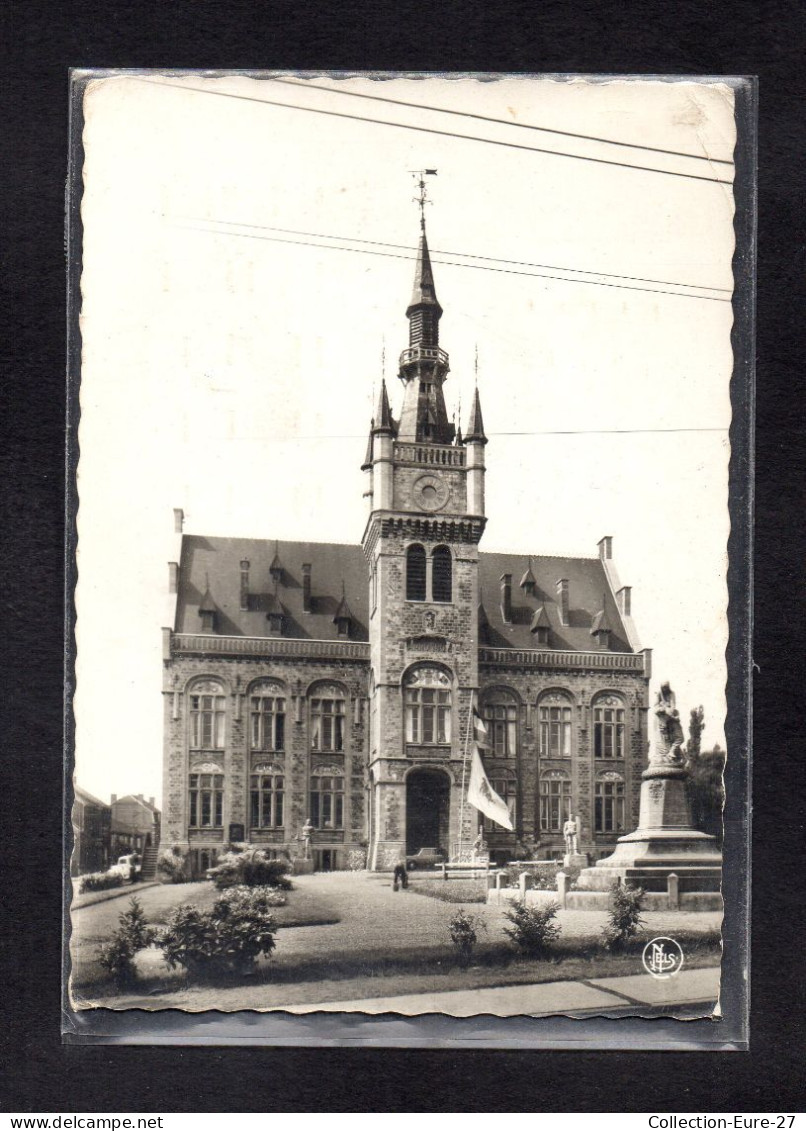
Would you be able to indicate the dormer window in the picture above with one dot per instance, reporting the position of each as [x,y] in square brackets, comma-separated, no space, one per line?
[343,617]
[539,627]
[275,615]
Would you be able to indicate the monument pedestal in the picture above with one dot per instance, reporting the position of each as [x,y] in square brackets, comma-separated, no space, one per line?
[664,842]
[575,860]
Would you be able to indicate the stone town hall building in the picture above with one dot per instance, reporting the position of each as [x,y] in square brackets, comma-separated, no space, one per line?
[306,680]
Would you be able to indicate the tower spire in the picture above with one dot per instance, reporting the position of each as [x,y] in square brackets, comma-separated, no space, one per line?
[475,426]
[424,366]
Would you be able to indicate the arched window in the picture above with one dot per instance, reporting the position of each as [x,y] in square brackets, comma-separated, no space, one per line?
[506,788]
[442,574]
[206,799]
[207,716]
[555,801]
[608,727]
[555,726]
[428,706]
[500,711]
[609,804]
[327,718]
[266,797]
[327,797]
[415,573]
[267,716]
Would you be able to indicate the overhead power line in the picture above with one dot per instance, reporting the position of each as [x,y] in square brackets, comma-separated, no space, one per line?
[306,84]
[431,130]
[468,255]
[450,263]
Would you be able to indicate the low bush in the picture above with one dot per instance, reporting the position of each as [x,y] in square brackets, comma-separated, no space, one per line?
[625,916]
[250,867]
[463,931]
[225,940]
[173,867]
[533,928]
[100,881]
[133,934]
[451,891]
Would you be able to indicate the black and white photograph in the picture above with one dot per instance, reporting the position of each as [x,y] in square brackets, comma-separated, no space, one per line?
[402,544]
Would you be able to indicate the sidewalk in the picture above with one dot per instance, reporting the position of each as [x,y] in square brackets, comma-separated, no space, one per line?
[92,897]
[596,995]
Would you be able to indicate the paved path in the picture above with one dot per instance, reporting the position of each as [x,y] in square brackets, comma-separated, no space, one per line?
[599,995]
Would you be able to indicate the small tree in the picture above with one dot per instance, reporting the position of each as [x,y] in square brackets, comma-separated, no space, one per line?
[226,939]
[624,915]
[463,929]
[133,934]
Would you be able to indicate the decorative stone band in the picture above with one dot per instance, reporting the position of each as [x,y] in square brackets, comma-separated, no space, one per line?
[202,644]
[553,658]
[442,529]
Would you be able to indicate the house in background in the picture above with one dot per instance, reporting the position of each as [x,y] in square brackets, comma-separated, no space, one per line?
[91,833]
[136,828]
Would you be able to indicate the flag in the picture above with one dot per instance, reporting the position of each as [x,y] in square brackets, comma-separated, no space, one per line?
[479,729]
[431,172]
[482,795]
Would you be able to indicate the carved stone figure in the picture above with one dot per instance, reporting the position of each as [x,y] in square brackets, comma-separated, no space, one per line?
[307,833]
[669,736]
[571,834]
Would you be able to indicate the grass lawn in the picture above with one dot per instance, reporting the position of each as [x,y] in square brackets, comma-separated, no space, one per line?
[349,937]
[450,891]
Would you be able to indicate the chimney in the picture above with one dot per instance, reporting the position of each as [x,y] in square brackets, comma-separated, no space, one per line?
[114,799]
[151,802]
[624,598]
[139,796]
[306,587]
[173,577]
[179,520]
[606,548]
[562,599]
[506,597]
[245,584]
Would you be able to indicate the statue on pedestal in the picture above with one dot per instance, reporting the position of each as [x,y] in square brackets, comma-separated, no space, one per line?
[307,832]
[571,834]
[668,746]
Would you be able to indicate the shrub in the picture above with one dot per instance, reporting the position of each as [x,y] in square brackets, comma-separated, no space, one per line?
[173,866]
[625,916]
[226,939]
[250,867]
[133,934]
[100,881]
[463,929]
[357,859]
[533,929]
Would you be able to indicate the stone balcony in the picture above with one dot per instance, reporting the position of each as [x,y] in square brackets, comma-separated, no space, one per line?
[210,644]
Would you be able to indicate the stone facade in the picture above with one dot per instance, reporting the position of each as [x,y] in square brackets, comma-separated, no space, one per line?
[374,656]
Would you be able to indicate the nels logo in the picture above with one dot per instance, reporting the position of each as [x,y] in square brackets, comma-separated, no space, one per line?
[662,958]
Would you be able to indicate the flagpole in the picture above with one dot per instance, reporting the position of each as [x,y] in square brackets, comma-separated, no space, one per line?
[464,768]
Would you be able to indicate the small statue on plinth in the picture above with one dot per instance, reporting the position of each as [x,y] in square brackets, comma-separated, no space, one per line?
[307,833]
[479,845]
[571,835]
[668,746]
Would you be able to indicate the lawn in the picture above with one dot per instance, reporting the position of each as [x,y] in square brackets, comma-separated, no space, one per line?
[352,937]
[450,891]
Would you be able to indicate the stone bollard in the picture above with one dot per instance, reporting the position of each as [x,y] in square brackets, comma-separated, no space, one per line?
[562,889]
[499,880]
[525,883]
[673,888]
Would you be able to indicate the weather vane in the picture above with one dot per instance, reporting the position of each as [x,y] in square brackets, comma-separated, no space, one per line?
[422,197]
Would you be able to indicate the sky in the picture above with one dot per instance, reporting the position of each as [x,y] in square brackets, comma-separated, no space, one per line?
[247,263]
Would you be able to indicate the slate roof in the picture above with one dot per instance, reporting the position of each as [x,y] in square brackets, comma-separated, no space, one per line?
[218,559]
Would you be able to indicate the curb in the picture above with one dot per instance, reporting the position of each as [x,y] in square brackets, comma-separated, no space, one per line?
[102,896]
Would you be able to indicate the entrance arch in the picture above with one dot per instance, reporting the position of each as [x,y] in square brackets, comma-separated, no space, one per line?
[427,810]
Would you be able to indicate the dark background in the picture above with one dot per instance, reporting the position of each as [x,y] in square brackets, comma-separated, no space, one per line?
[39,43]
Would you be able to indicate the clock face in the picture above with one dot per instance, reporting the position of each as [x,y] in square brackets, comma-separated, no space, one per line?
[430,493]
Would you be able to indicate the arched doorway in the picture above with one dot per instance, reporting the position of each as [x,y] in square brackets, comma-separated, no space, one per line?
[427,810]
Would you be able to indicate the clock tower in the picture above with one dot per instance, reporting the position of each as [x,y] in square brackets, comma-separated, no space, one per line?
[426,498]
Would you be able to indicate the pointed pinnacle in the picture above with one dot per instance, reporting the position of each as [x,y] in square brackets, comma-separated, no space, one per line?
[475,428]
